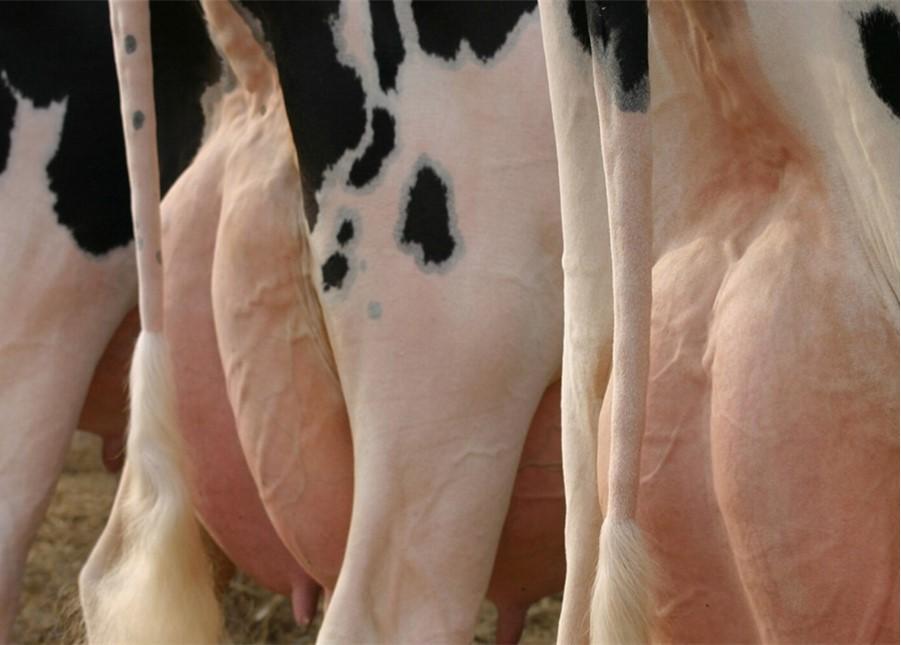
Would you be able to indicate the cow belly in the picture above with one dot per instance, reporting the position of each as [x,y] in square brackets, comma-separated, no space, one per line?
[770,465]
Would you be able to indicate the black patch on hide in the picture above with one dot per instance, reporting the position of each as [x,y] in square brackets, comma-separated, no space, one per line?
[367,167]
[324,97]
[578,18]
[387,42]
[444,25]
[185,64]
[427,218]
[51,51]
[878,30]
[620,34]
[7,115]
[345,233]
[334,271]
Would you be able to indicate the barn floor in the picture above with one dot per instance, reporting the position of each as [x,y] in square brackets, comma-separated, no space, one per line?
[50,603]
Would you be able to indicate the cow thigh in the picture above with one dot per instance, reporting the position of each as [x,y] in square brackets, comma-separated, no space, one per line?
[804,442]
[770,477]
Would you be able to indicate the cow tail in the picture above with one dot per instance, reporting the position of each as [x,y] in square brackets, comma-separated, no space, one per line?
[148,579]
[622,600]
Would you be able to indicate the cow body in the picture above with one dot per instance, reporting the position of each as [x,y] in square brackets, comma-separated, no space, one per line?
[772,338]
[303,454]
[769,490]
[68,277]
[310,351]
[455,215]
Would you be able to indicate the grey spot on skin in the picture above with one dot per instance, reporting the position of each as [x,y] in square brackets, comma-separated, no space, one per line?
[140,243]
[362,266]
[137,120]
[159,257]
[131,44]
[374,310]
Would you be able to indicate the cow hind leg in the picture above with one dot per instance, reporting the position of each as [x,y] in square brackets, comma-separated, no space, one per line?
[130,594]
[583,512]
[41,413]
[430,495]
[27,479]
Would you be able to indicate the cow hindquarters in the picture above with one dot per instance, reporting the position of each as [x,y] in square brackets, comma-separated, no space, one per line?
[129,593]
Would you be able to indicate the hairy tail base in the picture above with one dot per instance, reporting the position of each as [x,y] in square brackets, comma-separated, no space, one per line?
[148,579]
[622,600]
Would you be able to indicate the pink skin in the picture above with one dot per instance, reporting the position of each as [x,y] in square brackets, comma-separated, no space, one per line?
[291,414]
[299,453]
[104,415]
[308,501]
[530,560]
[205,415]
[769,475]
[105,411]
[783,458]
[224,493]
[770,466]
[60,307]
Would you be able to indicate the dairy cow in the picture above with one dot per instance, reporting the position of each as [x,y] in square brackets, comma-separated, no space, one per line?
[343,288]
[69,275]
[765,355]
